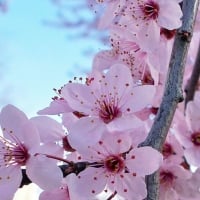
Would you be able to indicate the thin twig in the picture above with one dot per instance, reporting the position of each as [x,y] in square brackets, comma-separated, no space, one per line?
[173,90]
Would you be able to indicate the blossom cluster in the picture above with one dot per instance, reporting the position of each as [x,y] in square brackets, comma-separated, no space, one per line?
[107,115]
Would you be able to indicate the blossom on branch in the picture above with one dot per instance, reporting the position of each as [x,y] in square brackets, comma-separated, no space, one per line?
[19,146]
[117,165]
[108,103]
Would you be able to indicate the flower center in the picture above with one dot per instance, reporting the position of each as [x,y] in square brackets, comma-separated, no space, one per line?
[167,150]
[12,154]
[166,177]
[195,137]
[114,164]
[150,10]
[108,111]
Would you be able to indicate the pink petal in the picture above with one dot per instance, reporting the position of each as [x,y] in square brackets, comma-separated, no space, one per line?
[124,123]
[139,98]
[58,194]
[79,97]
[118,81]
[108,15]
[10,181]
[117,142]
[44,172]
[49,129]
[138,135]
[96,182]
[29,135]
[56,107]
[11,118]
[51,148]
[131,187]
[170,15]
[103,60]
[192,156]
[144,161]
[149,36]
[68,119]
[85,132]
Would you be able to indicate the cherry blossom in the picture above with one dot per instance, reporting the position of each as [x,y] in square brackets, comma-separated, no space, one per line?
[107,103]
[116,165]
[172,181]
[18,148]
[144,19]
[172,150]
[146,13]
[188,132]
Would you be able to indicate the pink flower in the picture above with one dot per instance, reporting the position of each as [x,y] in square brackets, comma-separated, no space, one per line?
[18,147]
[172,150]
[144,19]
[117,165]
[187,131]
[109,103]
[166,14]
[173,180]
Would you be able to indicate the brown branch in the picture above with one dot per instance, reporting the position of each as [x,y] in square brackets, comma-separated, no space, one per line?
[173,90]
[193,81]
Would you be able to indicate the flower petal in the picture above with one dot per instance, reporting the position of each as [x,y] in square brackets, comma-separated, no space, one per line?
[10,179]
[11,119]
[144,160]
[44,172]
[79,97]
[49,129]
[140,97]
[85,132]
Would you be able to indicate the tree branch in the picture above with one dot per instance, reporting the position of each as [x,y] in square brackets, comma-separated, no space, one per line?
[193,81]
[173,90]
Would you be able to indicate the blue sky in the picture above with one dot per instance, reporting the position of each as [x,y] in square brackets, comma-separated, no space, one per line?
[35,57]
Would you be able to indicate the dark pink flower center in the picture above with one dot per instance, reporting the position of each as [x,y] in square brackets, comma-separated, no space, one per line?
[195,138]
[108,110]
[166,177]
[150,10]
[167,150]
[114,164]
[12,154]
